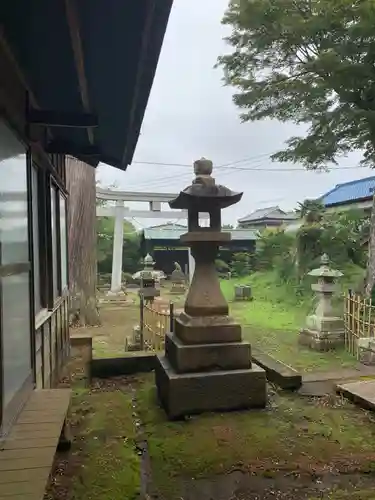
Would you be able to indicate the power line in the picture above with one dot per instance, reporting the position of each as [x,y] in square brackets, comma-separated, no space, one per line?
[163,181]
[189,165]
[248,164]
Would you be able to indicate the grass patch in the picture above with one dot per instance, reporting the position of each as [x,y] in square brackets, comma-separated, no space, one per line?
[109,463]
[283,345]
[270,307]
[272,321]
[292,435]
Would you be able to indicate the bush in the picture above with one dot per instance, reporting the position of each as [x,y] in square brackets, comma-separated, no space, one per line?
[104,278]
[129,280]
[273,246]
[240,264]
[221,266]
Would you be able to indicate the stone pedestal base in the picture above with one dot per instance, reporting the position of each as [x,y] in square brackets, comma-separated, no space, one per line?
[366,350]
[185,358]
[134,343]
[117,293]
[178,289]
[193,393]
[321,341]
[207,329]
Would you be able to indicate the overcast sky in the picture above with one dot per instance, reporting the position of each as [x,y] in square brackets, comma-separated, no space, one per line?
[190,114]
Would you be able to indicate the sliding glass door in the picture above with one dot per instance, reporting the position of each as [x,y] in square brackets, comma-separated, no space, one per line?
[15,266]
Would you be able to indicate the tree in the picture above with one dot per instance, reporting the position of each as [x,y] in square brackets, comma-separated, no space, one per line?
[311,62]
[311,211]
[82,241]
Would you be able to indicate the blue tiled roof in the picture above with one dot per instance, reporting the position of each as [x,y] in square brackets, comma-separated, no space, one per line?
[350,191]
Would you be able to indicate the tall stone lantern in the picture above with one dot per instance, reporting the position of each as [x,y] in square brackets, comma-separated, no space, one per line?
[324,329]
[207,366]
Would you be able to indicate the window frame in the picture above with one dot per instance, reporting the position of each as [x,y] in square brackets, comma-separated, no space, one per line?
[62,196]
[9,413]
[54,195]
[49,186]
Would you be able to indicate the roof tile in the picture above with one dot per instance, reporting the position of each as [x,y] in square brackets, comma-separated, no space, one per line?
[350,191]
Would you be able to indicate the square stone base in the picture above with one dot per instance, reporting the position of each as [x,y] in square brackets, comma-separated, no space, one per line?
[366,350]
[178,289]
[187,358]
[193,393]
[321,341]
[207,329]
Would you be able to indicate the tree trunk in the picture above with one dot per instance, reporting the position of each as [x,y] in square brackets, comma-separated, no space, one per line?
[82,242]
[370,272]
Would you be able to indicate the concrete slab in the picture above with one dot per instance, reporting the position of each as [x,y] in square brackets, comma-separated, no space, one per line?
[361,392]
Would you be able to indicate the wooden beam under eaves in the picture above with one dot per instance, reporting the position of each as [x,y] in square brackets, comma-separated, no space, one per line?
[75,36]
[61,119]
[68,148]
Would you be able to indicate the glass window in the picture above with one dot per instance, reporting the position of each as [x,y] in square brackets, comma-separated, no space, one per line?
[63,243]
[14,266]
[55,272]
[13,200]
[15,305]
[36,263]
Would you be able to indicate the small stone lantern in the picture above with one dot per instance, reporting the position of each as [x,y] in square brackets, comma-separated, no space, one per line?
[206,366]
[148,288]
[324,329]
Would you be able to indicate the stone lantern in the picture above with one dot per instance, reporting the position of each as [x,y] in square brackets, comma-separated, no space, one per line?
[148,288]
[206,366]
[324,330]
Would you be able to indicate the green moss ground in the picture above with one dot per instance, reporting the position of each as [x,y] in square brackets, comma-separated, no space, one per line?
[304,443]
[292,435]
[108,463]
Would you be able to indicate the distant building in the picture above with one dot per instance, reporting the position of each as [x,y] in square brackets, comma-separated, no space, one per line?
[356,194]
[163,243]
[267,217]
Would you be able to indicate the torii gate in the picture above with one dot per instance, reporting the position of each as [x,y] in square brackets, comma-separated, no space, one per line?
[121,212]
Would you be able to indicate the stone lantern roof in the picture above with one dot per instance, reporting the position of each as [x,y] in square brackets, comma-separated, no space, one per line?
[204,193]
[324,271]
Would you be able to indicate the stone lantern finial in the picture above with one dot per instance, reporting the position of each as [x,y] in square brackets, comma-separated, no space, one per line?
[203,167]
[324,260]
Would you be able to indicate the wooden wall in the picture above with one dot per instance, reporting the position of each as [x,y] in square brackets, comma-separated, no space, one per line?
[50,329]
[52,346]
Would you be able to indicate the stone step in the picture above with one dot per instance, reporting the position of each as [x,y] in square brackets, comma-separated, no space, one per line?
[277,372]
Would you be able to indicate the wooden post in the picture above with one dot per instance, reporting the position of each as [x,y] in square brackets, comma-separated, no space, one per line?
[171,317]
[141,319]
